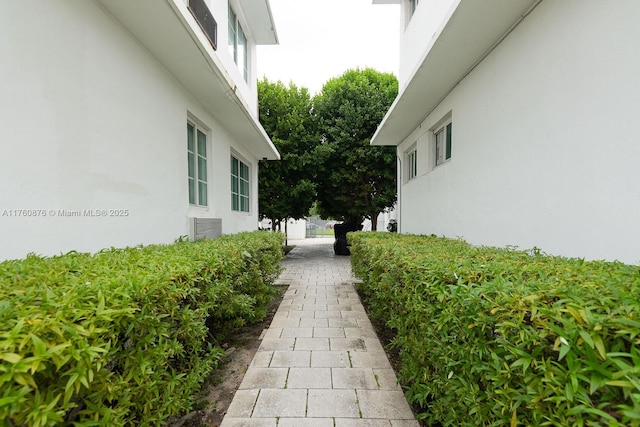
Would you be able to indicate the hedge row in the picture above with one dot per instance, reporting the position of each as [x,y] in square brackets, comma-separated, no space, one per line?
[124,337]
[498,337]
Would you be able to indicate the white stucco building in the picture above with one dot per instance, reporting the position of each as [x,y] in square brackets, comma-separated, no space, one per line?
[122,122]
[517,123]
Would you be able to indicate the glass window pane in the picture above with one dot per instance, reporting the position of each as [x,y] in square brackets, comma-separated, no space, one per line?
[244,171]
[192,192]
[439,151]
[448,155]
[189,137]
[234,202]
[242,52]
[413,164]
[202,193]
[202,144]
[202,169]
[244,204]
[244,188]
[191,164]
[234,166]
[232,34]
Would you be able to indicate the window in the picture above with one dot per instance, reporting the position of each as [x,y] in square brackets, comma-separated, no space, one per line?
[238,44]
[443,144]
[239,185]
[197,165]
[201,12]
[412,164]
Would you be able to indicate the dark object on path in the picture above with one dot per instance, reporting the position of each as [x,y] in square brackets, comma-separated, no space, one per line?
[340,246]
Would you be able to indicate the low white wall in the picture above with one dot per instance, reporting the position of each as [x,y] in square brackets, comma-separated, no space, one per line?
[91,121]
[545,140]
[296,229]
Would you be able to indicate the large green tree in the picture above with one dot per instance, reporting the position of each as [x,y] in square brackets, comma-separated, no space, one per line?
[287,187]
[356,180]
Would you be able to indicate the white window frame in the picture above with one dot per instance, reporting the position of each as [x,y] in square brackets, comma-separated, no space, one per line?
[197,164]
[442,143]
[240,185]
[238,45]
[411,159]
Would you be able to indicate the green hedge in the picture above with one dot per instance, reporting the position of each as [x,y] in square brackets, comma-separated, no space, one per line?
[124,337]
[498,337]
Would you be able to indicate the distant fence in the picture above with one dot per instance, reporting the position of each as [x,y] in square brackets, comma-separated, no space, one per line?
[319,227]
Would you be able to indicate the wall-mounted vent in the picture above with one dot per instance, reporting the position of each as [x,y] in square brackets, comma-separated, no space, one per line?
[209,228]
[201,12]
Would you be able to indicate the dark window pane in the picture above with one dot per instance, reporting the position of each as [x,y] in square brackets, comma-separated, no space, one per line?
[234,166]
[449,140]
[191,165]
[190,146]
[202,193]
[202,144]
[192,192]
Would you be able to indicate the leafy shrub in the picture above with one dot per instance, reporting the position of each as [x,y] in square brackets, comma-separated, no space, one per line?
[125,336]
[496,337]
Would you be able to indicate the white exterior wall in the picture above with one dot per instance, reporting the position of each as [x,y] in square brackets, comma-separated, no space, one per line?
[418,32]
[90,120]
[545,140]
[248,90]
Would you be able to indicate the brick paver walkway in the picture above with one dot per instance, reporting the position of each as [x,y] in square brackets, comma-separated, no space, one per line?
[320,363]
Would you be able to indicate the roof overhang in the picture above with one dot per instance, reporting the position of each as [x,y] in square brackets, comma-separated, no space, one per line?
[473,28]
[260,20]
[168,30]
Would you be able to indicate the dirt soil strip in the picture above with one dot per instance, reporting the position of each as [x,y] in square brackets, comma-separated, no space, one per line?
[217,391]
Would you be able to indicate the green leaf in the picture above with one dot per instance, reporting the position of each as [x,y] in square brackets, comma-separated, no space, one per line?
[40,348]
[11,357]
[599,344]
[620,383]
[564,349]
[587,338]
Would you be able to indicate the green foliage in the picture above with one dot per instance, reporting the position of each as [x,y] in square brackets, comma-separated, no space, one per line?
[124,337]
[499,337]
[356,180]
[287,188]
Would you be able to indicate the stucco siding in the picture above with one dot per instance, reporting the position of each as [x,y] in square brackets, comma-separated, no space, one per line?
[92,121]
[420,31]
[545,147]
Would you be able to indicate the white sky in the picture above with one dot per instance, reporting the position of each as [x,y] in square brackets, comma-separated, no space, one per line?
[321,39]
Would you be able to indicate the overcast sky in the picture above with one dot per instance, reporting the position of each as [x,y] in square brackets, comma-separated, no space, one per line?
[321,39]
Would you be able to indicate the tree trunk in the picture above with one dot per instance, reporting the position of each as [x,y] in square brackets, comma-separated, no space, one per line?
[286,233]
[374,222]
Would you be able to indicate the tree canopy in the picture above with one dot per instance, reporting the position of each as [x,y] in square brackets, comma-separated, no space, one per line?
[325,148]
[287,187]
[355,180]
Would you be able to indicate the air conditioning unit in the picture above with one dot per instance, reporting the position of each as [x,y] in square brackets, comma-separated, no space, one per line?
[209,228]
[203,16]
